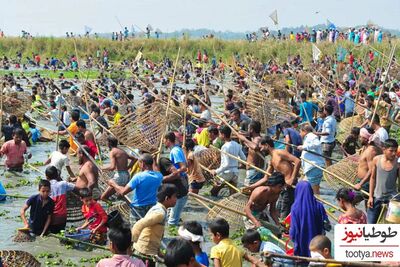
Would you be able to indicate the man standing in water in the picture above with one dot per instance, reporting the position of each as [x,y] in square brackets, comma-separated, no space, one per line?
[365,163]
[285,163]
[88,173]
[254,156]
[119,163]
[15,150]
[383,182]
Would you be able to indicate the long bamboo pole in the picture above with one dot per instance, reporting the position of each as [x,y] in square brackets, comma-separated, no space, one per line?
[231,210]
[308,259]
[383,84]
[334,175]
[169,102]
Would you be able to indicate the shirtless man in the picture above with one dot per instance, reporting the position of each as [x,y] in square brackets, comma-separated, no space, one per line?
[82,128]
[285,163]
[263,196]
[254,156]
[88,173]
[119,163]
[365,163]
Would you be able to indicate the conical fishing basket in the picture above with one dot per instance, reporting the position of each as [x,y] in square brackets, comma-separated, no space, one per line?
[346,169]
[46,134]
[23,236]
[209,158]
[278,81]
[345,125]
[17,103]
[142,129]
[123,209]
[304,80]
[102,183]
[16,258]
[267,111]
[236,202]
[74,208]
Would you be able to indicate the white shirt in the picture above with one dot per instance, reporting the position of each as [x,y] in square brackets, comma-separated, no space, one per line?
[206,114]
[67,118]
[311,143]
[329,126]
[229,164]
[54,115]
[59,160]
[380,136]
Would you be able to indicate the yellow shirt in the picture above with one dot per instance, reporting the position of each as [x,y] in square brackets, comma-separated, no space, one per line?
[117,117]
[73,129]
[202,138]
[228,253]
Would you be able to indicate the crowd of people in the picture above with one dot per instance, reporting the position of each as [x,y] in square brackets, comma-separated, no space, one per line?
[159,187]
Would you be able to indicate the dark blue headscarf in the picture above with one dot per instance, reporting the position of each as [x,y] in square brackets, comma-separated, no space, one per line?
[307,219]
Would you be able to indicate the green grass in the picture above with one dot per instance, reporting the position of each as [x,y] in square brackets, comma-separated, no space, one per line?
[157,49]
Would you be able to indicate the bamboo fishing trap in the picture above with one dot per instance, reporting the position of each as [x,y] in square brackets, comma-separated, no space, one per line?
[345,169]
[267,111]
[17,103]
[18,258]
[142,129]
[236,202]
[209,158]
[345,125]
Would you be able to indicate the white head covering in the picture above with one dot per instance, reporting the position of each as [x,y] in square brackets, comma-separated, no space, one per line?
[185,234]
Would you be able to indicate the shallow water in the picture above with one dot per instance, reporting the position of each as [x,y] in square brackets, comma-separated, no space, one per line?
[11,221]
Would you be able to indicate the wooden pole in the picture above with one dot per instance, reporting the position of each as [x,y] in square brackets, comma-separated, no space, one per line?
[231,210]
[334,175]
[308,259]
[222,179]
[169,102]
[383,84]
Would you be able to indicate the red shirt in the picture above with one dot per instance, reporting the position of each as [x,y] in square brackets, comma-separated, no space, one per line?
[94,210]
[92,148]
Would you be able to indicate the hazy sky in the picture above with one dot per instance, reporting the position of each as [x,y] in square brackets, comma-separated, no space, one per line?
[55,17]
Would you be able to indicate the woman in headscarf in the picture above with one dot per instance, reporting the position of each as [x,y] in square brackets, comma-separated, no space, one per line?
[307,219]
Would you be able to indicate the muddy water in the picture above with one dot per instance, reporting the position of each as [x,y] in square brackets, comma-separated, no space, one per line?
[11,221]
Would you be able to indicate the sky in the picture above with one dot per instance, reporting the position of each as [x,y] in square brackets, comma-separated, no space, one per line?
[55,17]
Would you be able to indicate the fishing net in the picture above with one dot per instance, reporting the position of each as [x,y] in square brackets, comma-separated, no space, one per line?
[23,235]
[304,80]
[236,202]
[74,208]
[209,158]
[104,176]
[345,125]
[142,129]
[345,169]
[18,258]
[17,103]
[267,111]
[278,81]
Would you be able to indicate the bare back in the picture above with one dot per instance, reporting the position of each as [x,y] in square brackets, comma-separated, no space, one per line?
[120,158]
[253,156]
[366,159]
[281,165]
[261,197]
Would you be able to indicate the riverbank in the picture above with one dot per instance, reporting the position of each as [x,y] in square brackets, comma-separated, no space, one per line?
[156,49]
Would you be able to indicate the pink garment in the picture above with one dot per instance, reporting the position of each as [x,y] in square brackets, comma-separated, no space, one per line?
[120,261]
[15,153]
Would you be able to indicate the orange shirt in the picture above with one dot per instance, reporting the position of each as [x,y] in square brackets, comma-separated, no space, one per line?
[73,130]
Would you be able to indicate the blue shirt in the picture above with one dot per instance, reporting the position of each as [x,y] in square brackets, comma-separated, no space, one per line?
[295,139]
[306,111]
[202,258]
[35,134]
[145,184]
[38,213]
[177,156]
[348,103]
